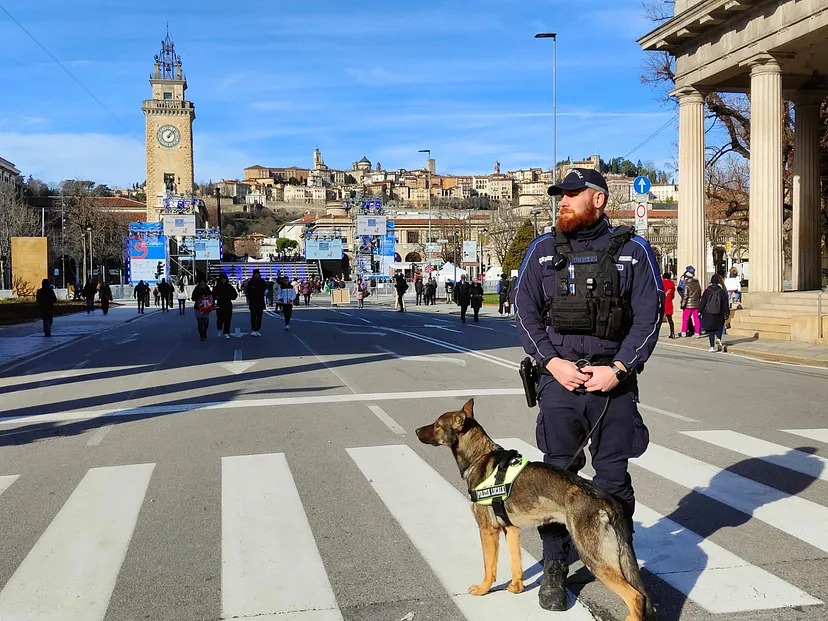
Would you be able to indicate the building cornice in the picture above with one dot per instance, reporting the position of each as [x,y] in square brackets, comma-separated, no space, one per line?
[692,22]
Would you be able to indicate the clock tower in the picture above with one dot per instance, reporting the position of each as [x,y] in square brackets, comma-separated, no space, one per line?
[169,136]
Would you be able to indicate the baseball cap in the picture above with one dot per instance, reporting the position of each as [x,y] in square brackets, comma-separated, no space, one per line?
[690,269]
[580,179]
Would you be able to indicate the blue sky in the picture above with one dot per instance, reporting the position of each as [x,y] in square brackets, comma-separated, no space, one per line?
[272,80]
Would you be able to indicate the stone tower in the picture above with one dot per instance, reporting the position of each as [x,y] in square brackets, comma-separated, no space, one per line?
[169,137]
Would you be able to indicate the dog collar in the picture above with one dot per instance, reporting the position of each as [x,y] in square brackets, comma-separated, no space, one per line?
[498,485]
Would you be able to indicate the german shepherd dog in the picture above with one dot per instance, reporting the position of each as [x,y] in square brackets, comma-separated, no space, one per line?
[541,494]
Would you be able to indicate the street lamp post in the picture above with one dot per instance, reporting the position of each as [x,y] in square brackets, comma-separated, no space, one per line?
[428,169]
[91,261]
[535,213]
[217,192]
[554,37]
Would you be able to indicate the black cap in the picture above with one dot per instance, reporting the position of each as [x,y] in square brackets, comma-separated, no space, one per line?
[580,179]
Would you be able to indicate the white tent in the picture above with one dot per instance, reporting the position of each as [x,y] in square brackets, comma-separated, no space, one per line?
[447,272]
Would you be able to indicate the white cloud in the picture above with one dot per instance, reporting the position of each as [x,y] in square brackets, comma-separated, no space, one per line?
[110,159]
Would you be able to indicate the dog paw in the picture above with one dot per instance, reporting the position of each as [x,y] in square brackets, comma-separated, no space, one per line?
[479,589]
[515,586]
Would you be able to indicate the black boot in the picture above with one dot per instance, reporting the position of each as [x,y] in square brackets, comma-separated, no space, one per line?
[552,592]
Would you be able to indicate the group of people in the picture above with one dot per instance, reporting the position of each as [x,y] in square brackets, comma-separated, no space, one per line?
[702,312]
[219,298]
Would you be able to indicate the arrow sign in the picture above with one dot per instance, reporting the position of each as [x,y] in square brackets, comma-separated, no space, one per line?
[237,366]
[642,185]
[237,333]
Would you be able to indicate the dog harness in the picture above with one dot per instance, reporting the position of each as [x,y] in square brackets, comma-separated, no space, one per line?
[495,488]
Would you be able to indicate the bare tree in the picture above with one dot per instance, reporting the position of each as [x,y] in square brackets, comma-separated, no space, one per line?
[505,223]
[17,219]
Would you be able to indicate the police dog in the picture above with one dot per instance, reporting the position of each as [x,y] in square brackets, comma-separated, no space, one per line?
[541,494]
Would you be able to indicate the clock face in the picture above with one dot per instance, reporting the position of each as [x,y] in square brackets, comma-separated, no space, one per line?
[168,135]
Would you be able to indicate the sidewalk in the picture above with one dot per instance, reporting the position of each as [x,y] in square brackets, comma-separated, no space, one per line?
[776,351]
[25,340]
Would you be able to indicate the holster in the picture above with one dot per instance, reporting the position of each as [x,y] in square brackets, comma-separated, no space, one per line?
[529,376]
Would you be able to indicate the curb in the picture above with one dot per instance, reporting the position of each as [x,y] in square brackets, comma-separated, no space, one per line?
[761,355]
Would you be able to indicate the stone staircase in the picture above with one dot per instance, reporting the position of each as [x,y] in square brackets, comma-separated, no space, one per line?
[788,316]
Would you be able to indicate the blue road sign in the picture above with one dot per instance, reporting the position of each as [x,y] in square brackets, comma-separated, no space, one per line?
[642,185]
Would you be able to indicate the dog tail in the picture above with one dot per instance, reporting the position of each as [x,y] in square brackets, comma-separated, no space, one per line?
[629,566]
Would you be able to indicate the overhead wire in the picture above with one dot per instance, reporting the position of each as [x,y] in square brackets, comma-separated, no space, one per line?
[62,66]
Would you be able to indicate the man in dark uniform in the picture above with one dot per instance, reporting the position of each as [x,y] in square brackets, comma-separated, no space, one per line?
[589,294]
[462,295]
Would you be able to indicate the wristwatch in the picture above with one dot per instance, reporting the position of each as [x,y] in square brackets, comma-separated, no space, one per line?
[620,373]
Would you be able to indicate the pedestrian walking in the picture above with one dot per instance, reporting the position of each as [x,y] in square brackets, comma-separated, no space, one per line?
[305,291]
[156,295]
[89,291]
[400,287]
[46,300]
[255,293]
[165,293]
[360,289]
[714,310]
[690,303]
[449,290]
[510,307]
[140,294]
[503,286]
[105,296]
[182,298]
[462,296]
[587,360]
[223,295]
[203,305]
[476,298]
[287,295]
[418,290]
[669,293]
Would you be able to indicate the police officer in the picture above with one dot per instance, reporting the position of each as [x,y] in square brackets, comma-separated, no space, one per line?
[589,303]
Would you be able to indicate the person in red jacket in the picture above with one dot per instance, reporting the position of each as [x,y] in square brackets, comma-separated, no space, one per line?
[669,294]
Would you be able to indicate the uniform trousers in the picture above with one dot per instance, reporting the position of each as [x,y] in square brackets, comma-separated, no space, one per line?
[564,420]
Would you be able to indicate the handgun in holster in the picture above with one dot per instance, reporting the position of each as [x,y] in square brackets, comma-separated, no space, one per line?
[529,377]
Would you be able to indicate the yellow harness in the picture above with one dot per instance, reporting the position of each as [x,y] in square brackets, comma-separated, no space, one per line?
[495,488]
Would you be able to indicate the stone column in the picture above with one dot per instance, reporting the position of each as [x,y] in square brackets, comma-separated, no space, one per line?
[765,213]
[806,214]
[692,236]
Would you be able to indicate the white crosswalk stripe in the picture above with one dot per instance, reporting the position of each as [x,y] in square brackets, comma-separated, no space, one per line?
[270,566]
[6,481]
[795,516]
[71,571]
[776,454]
[712,577]
[820,435]
[411,490]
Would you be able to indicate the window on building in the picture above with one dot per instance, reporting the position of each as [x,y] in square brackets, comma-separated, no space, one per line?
[167,95]
[413,237]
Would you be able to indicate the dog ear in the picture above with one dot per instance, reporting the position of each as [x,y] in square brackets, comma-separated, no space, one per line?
[468,409]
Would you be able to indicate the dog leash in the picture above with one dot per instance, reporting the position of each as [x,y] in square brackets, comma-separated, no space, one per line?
[589,435]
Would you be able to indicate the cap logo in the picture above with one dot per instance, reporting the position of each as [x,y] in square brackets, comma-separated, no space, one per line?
[578,172]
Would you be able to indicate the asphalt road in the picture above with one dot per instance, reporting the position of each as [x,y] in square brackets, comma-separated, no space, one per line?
[147,475]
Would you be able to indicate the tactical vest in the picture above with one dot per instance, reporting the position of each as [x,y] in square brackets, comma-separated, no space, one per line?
[587,297]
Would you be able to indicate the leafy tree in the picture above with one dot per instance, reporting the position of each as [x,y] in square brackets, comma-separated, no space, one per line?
[283,244]
[523,237]
[350,179]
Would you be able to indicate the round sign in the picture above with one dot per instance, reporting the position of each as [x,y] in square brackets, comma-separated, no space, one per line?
[641,210]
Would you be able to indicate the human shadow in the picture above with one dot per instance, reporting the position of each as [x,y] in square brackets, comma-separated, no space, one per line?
[727,502]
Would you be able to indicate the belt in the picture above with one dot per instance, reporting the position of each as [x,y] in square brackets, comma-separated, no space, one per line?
[596,361]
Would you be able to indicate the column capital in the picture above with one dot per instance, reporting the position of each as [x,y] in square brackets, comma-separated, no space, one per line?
[687,95]
[808,97]
[763,63]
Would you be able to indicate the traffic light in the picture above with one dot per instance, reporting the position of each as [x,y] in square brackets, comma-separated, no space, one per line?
[159,269]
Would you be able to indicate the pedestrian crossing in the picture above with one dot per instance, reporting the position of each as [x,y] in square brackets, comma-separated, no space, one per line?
[271,567]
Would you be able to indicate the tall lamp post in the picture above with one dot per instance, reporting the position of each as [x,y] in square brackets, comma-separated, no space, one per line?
[554,37]
[91,261]
[217,192]
[428,169]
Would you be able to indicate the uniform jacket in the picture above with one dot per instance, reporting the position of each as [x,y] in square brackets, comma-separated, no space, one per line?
[640,283]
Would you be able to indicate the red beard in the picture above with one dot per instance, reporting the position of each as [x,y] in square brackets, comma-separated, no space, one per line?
[570,221]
